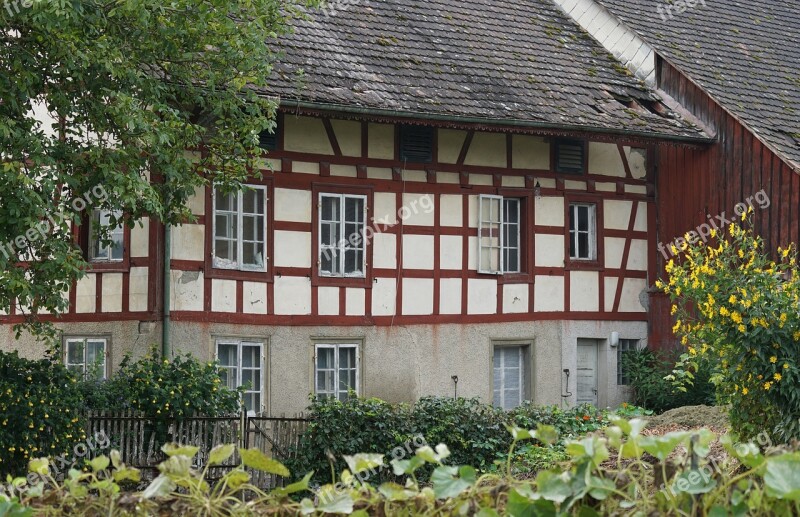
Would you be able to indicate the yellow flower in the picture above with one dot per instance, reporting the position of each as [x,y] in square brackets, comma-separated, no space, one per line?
[767,385]
[777,377]
[732,299]
[773,359]
[745,391]
[723,311]
[673,310]
[797,336]
[692,350]
[742,329]
[785,366]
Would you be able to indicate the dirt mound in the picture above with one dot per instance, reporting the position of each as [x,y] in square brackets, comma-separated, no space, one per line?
[691,417]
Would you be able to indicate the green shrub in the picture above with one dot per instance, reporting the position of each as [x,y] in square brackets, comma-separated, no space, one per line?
[569,422]
[39,411]
[648,372]
[174,388]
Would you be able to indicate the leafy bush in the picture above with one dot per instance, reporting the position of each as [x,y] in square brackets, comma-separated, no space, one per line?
[738,310]
[39,414]
[620,472]
[159,387]
[649,373]
[570,422]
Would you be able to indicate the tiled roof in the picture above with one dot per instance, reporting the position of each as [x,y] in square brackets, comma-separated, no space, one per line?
[744,53]
[522,62]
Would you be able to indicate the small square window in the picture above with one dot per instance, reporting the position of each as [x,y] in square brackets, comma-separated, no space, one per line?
[86,357]
[106,236]
[583,231]
[336,370]
[625,346]
[241,364]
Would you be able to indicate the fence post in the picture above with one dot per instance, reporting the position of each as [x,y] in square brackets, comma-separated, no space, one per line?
[243,429]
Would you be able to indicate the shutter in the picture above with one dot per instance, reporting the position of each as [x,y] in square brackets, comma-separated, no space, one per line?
[268,140]
[570,156]
[416,144]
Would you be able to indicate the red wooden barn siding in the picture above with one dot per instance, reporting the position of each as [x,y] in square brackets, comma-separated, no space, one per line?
[692,184]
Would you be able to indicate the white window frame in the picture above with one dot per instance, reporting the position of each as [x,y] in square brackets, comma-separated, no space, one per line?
[238,368]
[336,393]
[575,253]
[501,248]
[95,240]
[522,370]
[238,265]
[344,242]
[84,365]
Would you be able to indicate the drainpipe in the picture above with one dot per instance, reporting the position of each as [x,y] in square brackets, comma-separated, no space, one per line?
[166,348]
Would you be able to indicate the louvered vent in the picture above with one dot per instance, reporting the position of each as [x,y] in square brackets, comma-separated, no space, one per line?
[268,140]
[570,156]
[416,144]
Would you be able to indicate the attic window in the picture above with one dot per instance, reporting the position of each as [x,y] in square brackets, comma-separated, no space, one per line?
[416,144]
[570,156]
[268,139]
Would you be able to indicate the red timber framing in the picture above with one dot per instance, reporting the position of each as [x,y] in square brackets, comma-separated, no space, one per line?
[694,185]
[623,189]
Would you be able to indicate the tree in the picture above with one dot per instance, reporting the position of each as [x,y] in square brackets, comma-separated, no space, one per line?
[128,86]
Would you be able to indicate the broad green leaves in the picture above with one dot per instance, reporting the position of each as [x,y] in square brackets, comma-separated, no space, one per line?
[256,459]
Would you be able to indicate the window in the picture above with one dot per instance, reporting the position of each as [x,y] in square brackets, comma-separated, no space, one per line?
[336,370]
[416,144]
[240,229]
[86,357]
[582,231]
[624,347]
[106,243]
[342,242]
[241,364]
[570,156]
[499,235]
[509,376]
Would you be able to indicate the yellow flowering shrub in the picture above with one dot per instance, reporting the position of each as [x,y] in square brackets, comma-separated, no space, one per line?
[39,414]
[739,310]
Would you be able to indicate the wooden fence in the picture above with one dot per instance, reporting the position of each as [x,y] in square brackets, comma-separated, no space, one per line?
[139,438]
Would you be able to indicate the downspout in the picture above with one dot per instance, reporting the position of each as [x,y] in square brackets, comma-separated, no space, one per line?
[166,347]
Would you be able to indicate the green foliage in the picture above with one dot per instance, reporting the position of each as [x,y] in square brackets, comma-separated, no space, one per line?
[649,373]
[138,83]
[609,473]
[39,403]
[155,386]
[569,422]
[737,309]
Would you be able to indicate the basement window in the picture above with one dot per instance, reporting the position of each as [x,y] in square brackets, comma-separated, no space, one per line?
[570,156]
[86,357]
[416,144]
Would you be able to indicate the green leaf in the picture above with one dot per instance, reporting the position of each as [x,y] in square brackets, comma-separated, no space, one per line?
[782,478]
[554,486]
[662,446]
[39,466]
[449,482]
[173,449]
[256,459]
[236,478]
[334,501]
[161,486]
[395,492]
[431,456]
[127,474]
[694,482]
[546,434]
[99,463]
[298,486]
[523,502]
[361,462]
[220,454]
[518,433]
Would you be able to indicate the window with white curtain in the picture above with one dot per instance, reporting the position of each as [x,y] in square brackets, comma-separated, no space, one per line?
[509,376]
[336,370]
[242,365]
[86,356]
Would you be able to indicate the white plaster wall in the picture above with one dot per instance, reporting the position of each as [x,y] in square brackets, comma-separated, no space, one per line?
[112,292]
[450,296]
[417,296]
[487,150]
[418,252]
[381,141]
[530,152]
[86,289]
[384,297]
[617,214]
[292,295]
[346,171]
[305,135]
[254,297]
[604,160]
[355,302]
[384,249]
[348,135]
[584,291]
[292,249]
[137,289]
[451,141]
[418,210]
[549,250]
[452,207]
[451,252]
[292,205]
[632,288]
[186,293]
[549,211]
[188,242]
[481,296]
[515,298]
[140,238]
[548,294]
[614,248]
[223,295]
[328,301]
[385,208]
